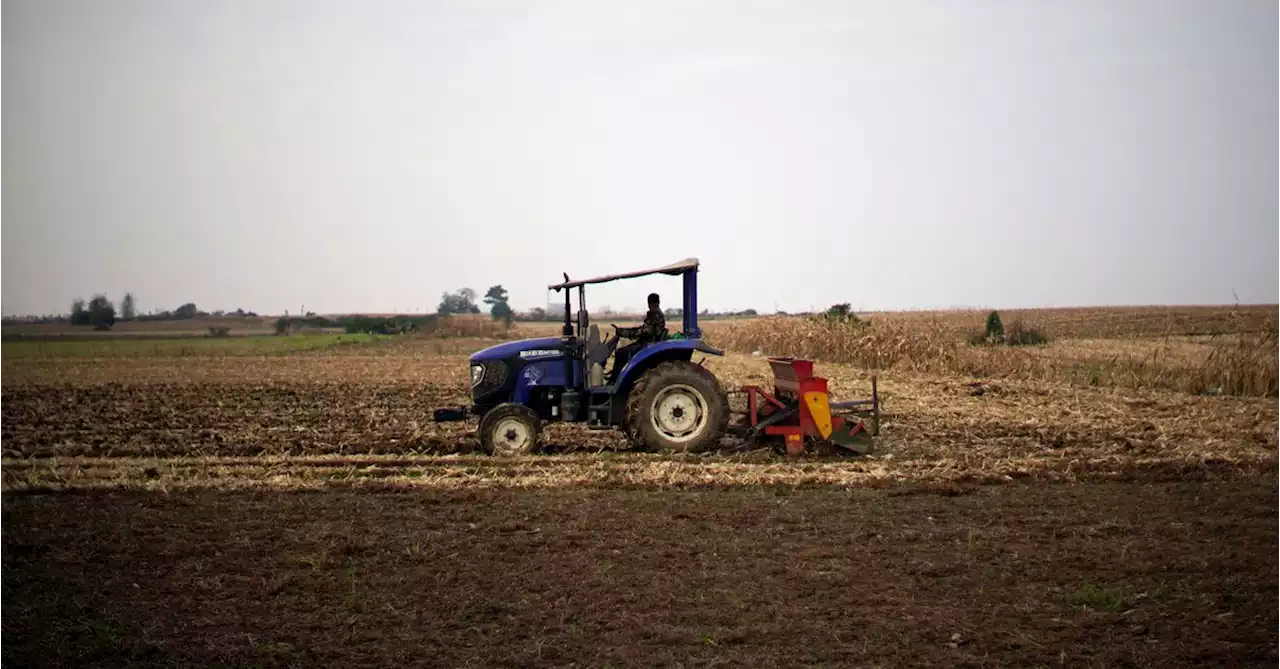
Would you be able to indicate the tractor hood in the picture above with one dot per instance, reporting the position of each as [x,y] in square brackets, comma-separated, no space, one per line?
[544,347]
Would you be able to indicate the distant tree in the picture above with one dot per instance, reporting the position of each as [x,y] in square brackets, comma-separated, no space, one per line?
[496,298]
[187,310]
[461,302]
[995,328]
[749,312]
[102,314]
[79,314]
[840,311]
[128,308]
[537,314]
[502,311]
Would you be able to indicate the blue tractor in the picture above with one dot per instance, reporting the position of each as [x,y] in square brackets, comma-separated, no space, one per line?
[660,398]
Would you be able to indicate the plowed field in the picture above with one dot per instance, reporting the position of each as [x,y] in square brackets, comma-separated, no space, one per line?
[300,509]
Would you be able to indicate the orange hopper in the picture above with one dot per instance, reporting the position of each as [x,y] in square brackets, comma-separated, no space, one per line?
[801,413]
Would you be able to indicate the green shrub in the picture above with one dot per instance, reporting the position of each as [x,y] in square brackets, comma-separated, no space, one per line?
[840,314]
[1021,334]
[1017,334]
[840,311]
[389,325]
[995,328]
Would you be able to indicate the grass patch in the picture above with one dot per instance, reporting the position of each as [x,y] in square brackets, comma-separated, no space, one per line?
[181,346]
[1109,599]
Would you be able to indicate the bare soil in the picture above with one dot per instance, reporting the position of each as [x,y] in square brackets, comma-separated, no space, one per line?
[1017,575]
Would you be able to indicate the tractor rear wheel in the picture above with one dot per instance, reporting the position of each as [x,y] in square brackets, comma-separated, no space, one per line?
[510,429]
[677,406]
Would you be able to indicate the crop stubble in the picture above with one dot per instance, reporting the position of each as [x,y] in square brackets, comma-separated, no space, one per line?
[316,418]
[302,510]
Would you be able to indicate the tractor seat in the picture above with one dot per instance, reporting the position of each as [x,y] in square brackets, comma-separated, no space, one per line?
[596,350]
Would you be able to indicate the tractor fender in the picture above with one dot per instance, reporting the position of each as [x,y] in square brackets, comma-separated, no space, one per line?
[663,351]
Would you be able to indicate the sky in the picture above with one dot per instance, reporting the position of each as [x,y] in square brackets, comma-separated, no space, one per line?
[367,156]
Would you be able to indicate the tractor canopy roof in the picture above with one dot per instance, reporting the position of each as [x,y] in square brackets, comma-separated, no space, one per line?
[673,269]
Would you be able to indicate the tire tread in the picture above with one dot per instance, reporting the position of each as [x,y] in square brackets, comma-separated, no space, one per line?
[717,405]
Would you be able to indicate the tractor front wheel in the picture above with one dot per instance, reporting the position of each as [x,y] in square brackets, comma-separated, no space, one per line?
[677,406]
[510,429]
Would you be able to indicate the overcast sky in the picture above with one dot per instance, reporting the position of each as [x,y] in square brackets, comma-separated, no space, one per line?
[348,156]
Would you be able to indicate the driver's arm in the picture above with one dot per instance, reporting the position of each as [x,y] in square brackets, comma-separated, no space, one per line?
[655,326]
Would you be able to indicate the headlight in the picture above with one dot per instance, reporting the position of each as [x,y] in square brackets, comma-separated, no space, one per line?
[477,374]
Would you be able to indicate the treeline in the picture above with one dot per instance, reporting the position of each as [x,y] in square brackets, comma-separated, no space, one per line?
[189,310]
[538,314]
[709,315]
[357,324]
[463,301]
[100,312]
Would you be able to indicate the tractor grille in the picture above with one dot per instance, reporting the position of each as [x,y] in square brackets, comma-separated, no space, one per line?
[495,375]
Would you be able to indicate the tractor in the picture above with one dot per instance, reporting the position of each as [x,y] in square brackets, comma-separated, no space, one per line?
[660,398]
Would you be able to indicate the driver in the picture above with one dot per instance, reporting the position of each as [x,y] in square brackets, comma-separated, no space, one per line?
[654,329]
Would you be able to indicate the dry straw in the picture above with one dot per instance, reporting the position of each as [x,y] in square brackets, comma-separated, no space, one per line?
[1240,362]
